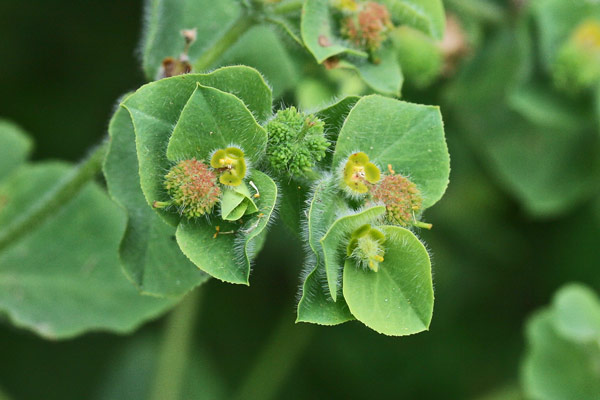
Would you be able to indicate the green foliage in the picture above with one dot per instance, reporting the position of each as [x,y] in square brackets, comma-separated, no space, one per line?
[15,147]
[64,278]
[563,354]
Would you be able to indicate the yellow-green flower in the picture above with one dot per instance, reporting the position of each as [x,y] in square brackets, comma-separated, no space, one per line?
[231,164]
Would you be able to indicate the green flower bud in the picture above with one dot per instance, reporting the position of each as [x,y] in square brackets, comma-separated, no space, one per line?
[231,164]
[366,247]
[296,142]
[193,188]
[358,173]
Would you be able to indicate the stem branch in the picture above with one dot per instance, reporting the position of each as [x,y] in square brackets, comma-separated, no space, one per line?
[47,205]
[175,348]
[212,54]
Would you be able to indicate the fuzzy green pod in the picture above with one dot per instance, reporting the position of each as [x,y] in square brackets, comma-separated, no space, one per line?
[401,197]
[193,188]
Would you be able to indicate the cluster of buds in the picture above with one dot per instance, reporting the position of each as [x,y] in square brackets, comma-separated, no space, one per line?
[231,165]
[401,198]
[359,174]
[193,188]
[366,247]
[367,26]
[577,65]
[296,142]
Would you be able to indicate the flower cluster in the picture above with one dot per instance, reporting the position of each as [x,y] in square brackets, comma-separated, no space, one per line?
[231,164]
[296,142]
[358,174]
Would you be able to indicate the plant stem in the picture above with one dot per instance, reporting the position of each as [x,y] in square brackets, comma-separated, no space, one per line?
[276,360]
[175,348]
[47,205]
[212,54]
[288,7]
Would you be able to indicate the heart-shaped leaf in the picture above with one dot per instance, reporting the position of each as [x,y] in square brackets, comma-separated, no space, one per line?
[396,300]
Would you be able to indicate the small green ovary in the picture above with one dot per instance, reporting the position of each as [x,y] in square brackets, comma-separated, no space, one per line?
[231,165]
[401,197]
[359,172]
[193,188]
[366,247]
[296,142]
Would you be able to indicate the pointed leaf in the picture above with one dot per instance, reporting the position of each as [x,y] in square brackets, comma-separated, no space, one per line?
[213,120]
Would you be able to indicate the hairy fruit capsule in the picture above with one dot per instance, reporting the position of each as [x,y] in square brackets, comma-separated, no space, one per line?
[231,164]
[368,27]
[296,142]
[366,247]
[358,173]
[401,198]
[193,188]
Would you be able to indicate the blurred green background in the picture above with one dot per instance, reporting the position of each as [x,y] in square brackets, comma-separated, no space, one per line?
[64,64]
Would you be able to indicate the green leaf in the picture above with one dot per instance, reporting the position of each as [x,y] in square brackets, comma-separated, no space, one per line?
[317,29]
[15,148]
[384,77]
[425,15]
[316,304]
[263,49]
[64,278]
[149,254]
[237,202]
[213,120]
[227,255]
[166,18]
[556,368]
[398,299]
[408,136]
[155,109]
[577,313]
[336,238]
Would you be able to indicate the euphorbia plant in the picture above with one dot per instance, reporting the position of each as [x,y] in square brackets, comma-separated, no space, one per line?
[201,163]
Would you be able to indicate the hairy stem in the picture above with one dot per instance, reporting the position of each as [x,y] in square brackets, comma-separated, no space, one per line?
[47,205]
[276,360]
[212,54]
[175,348]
